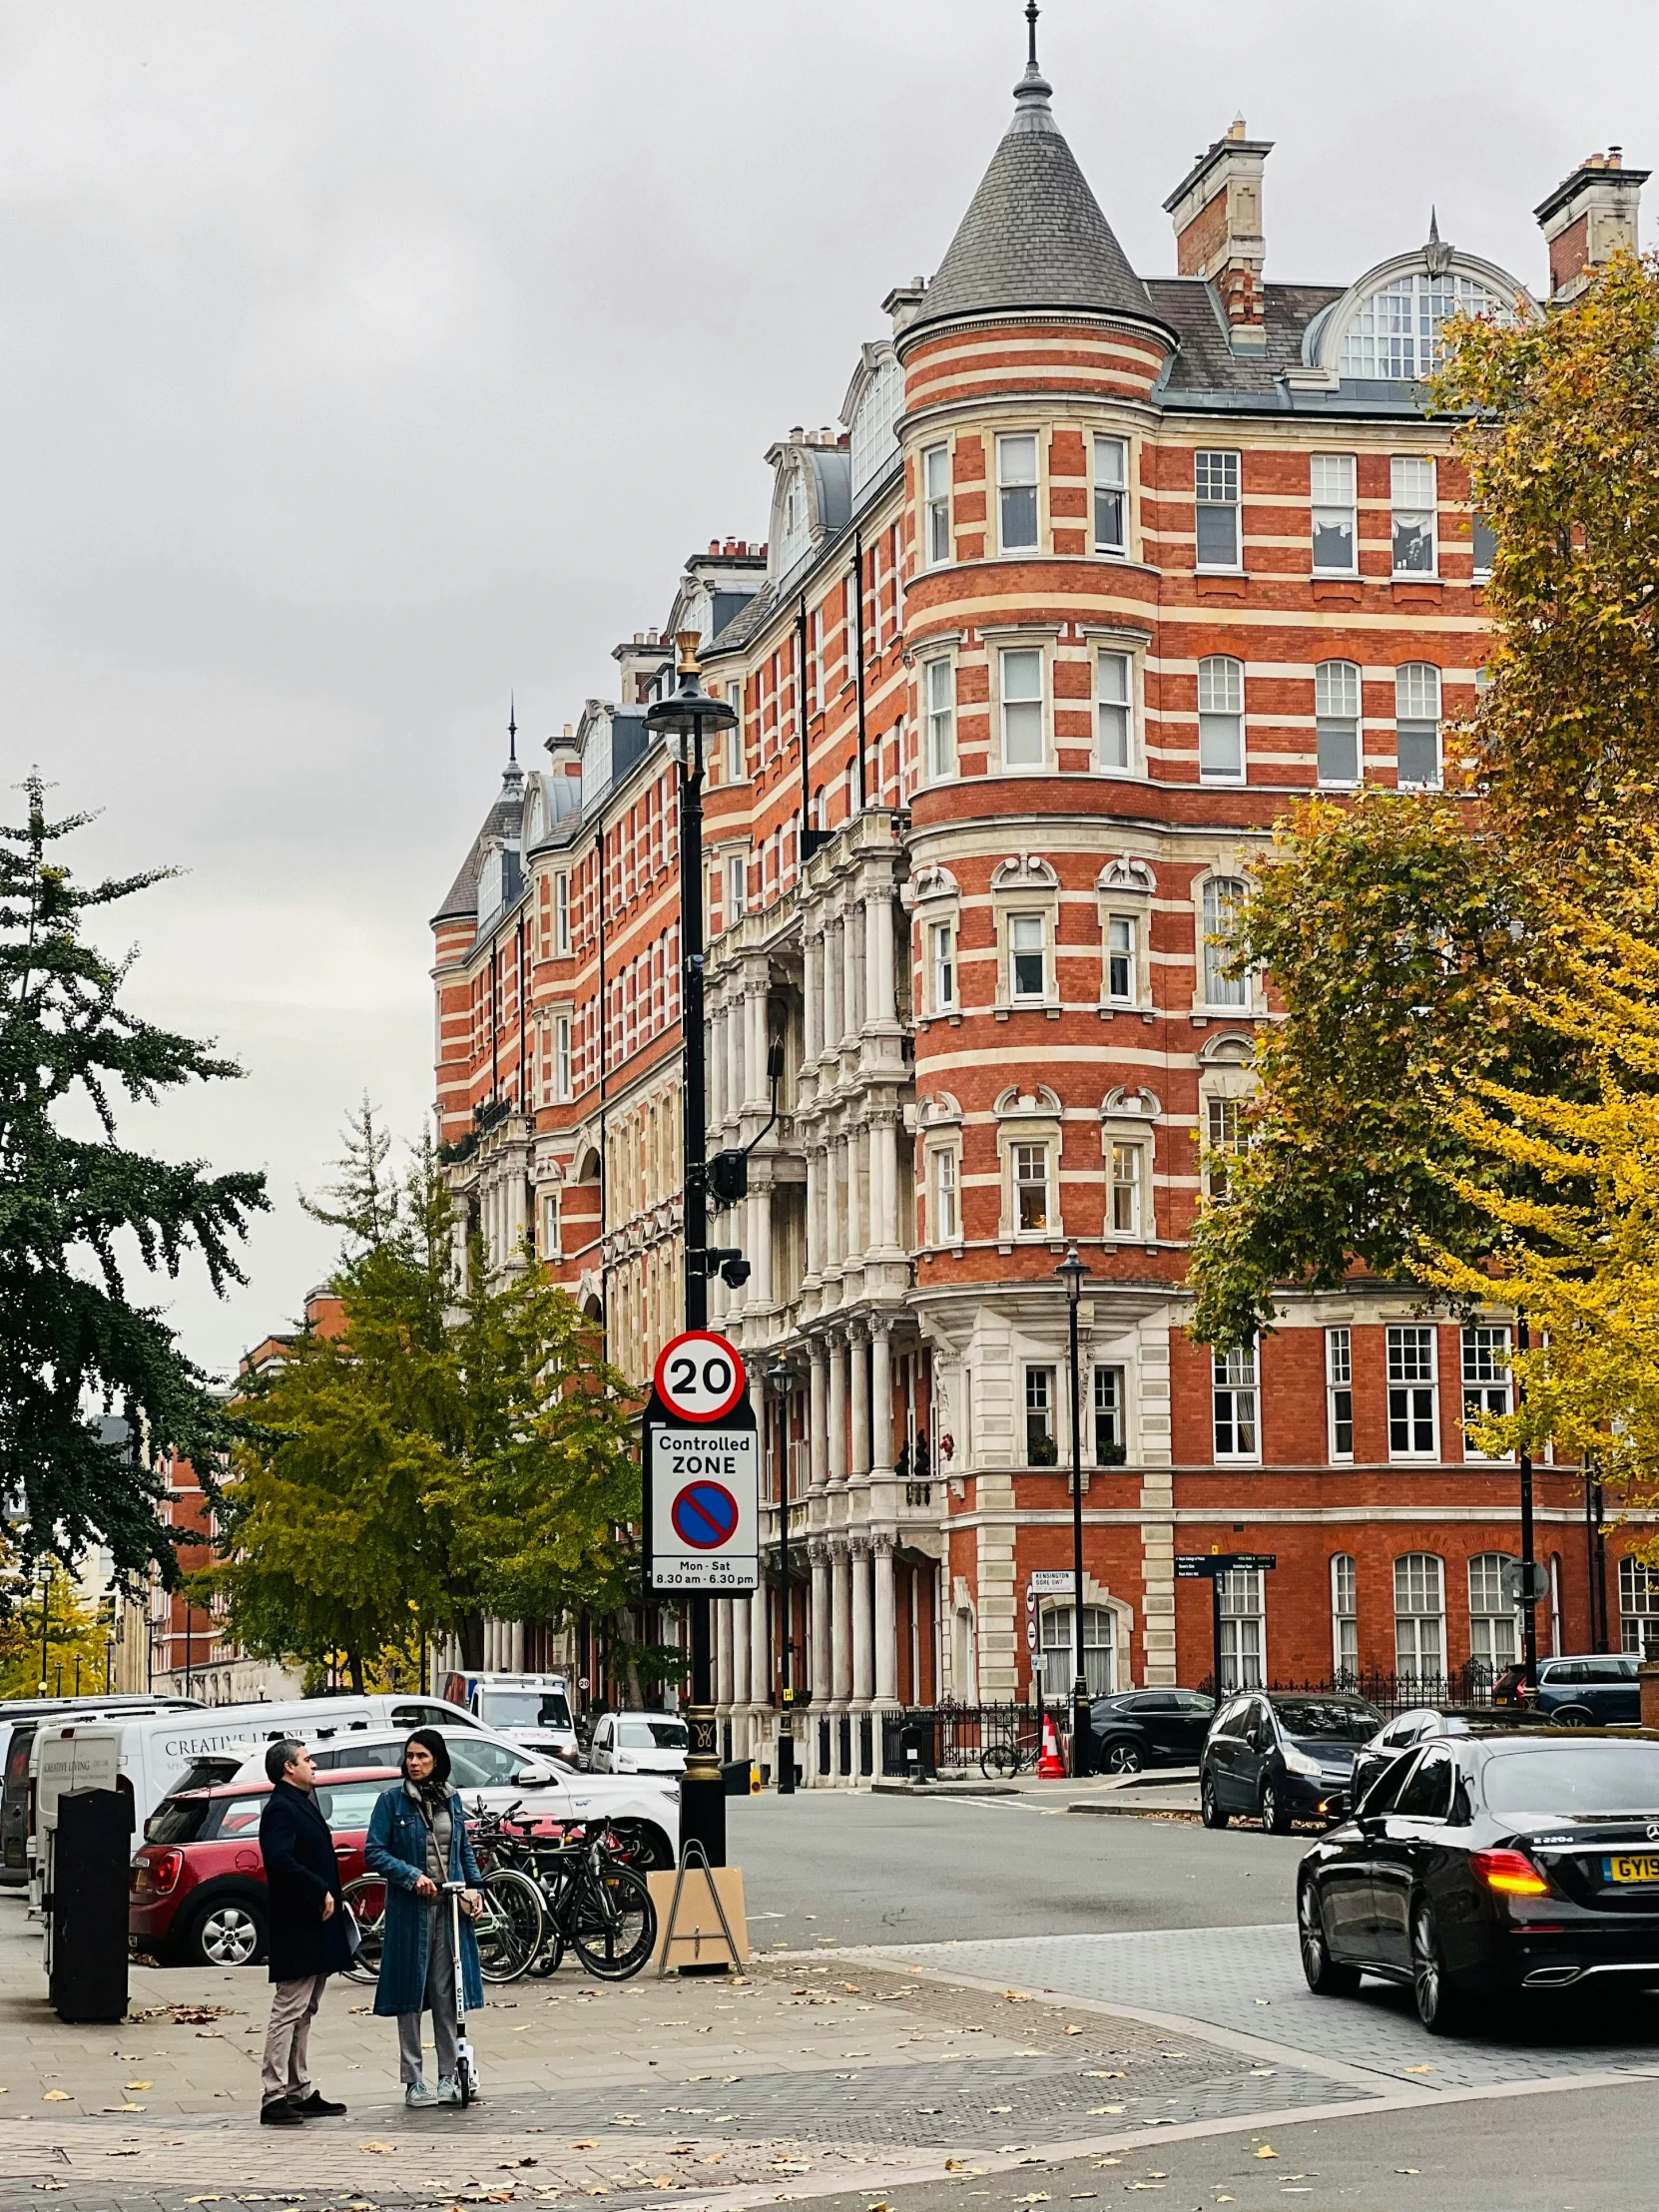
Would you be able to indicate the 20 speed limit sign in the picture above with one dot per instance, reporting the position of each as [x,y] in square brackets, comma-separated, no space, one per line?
[699,1377]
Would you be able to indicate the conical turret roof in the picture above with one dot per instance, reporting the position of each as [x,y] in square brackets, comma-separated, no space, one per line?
[1033,235]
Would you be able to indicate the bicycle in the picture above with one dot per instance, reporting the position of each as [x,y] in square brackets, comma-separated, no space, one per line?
[594,1902]
[508,1927]
[1008,1756]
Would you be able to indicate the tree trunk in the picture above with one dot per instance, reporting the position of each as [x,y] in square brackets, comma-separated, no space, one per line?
[354,1660]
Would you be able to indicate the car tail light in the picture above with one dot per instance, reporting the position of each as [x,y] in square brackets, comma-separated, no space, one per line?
[163,1868]
[1510,1873]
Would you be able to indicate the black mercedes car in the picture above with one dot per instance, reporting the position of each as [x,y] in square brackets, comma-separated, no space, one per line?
[1280,1755]
[1149,1728]
[1405,1729]
[1481,1865]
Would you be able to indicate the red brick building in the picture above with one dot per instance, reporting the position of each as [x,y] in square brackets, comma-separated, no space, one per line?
[1099,574]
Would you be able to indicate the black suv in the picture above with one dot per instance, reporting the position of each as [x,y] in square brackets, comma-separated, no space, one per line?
[1149,1728]
[1282,1754]
[1600,1690]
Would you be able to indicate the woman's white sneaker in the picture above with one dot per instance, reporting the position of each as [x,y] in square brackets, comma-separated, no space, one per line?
[417,2093]
[448,2089]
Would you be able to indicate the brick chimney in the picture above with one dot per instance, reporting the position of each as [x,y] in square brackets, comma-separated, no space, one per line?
[1587,219]
[1217,212]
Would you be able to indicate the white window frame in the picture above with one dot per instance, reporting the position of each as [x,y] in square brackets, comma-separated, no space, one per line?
[936,499]
[1244,1629]
[1018,951]
[1023,654]
[1217,489]
[1040,1395]
[1344,1615]
[1491,1622]
[1126,1190]
[1220,719]
[1338,1394]
[939,679]
[1413,1391]
[1638,1604]
[1222,1138]
[737,887]
[1114,710]
[1414,503]
[1123,960]
[561,912]
[561,1058]
[1009,484]
[1484,1350]
[1419,715]
[1108,1403]
[941,966]
[944,1196]
[1022,1152]
[1339,725]
[550,1248]
[1057,1651]
[1110,489]
[1332,507]
[1481,535]
[1220,901]
[1420,1615]
[1236,1406]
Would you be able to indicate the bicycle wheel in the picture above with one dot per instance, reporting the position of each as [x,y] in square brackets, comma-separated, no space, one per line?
[367,1899]
[998,1761]
[510,1927]
[612,1925]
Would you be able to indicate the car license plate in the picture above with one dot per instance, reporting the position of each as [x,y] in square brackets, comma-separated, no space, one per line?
[1631,1867]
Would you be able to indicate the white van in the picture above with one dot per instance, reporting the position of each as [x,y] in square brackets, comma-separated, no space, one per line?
[534,1708]
[158,1750]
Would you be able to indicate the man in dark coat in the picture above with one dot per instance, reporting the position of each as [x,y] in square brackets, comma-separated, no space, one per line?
[307,1940]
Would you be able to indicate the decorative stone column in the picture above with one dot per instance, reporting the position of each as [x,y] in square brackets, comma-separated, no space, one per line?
[717,1066]
[829,1040]
[760,1662]
[735,1078]
[812,952]
[887,1621]
[858,1237]
[757,1250]
[756,1099]
[740,1652]
[837,1409]
[850,979]
[880,1395]
[723,1652]
[880,962]
[818,1442]
[858,1456]
[883,1183]
[817,1554]
[864,1679]
[840,1623]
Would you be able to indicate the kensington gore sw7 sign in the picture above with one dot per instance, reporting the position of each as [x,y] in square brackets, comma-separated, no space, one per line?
[701,1472]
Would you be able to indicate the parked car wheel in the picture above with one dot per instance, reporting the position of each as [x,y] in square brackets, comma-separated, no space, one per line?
[229,1931]
[1325,1977]
[641,1845]
[1121,1755]
[1571,1716]
[1442,2008]
[1210,1810]
[1275,1813]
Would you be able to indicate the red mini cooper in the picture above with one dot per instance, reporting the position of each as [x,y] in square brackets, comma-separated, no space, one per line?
[197,1891]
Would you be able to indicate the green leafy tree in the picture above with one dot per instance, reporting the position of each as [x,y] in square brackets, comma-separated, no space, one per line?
[72,1339]
[76,1635]
[1405,935]
[458,1447]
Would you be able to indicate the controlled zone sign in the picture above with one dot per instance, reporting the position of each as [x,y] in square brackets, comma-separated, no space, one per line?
[701,1472]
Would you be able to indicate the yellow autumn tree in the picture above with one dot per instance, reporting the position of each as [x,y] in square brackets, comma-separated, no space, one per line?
[1570,1187]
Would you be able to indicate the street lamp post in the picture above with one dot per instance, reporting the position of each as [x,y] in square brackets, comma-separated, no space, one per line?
[45,1621]
[686,718]
[1072,1273]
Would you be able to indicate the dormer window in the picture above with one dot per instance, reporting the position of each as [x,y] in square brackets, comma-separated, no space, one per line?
[1395,335]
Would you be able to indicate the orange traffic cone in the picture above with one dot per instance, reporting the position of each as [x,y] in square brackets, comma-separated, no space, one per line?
[1050,1766]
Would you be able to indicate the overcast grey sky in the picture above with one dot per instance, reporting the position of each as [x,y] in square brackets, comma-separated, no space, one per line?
[363,358]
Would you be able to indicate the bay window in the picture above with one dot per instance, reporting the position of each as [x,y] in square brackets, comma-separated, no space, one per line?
[1111,495]
[1022,708]
[1028,956]
[941,721]
[1114,715]
[1120,932]
[1031,1202]
[1016,493]
[935,492]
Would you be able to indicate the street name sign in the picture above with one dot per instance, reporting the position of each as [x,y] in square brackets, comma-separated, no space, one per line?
[1200,1565]
[1050,1583]
[700,1454]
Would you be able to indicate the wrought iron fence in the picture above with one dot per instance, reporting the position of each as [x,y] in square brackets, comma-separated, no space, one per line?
[956,1739]
[1462,1688]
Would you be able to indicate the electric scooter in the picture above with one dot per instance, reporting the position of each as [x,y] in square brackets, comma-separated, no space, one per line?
[466,2068]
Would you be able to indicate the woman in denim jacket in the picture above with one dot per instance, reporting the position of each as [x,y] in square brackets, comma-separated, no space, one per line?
[418,1841]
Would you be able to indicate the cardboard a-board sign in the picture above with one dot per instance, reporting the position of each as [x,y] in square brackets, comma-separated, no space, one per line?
[689,1930]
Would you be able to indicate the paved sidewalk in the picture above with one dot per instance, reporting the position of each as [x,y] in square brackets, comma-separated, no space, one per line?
[785,2081]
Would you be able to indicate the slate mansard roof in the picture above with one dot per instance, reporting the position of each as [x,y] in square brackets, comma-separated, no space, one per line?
[504,820]
[1034,237]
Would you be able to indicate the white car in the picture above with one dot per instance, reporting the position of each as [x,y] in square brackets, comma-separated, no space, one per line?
[494,1774]
[639,1743]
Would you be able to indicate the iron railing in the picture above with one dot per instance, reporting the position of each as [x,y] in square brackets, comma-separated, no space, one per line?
[1461,1687]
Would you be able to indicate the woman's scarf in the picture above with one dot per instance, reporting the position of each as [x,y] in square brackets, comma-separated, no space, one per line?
[427,1797]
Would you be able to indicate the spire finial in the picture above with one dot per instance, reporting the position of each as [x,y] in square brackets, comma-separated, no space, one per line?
[1031,23]
[512,728]
[1031,110]
[1436,255]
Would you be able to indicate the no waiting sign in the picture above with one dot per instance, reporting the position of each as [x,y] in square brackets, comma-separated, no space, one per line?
[701,1472]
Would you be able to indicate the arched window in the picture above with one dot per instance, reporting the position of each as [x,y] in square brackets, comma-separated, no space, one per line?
[1060,1659]
[1337,717]
[1492,1641]
[1417,725]
[1420,1616]
[1396,334]
[1345,1616]
[1220,746]
[1223,896]
[1638,1606]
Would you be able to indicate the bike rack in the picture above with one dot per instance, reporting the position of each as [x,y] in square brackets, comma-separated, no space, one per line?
[693,1843]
